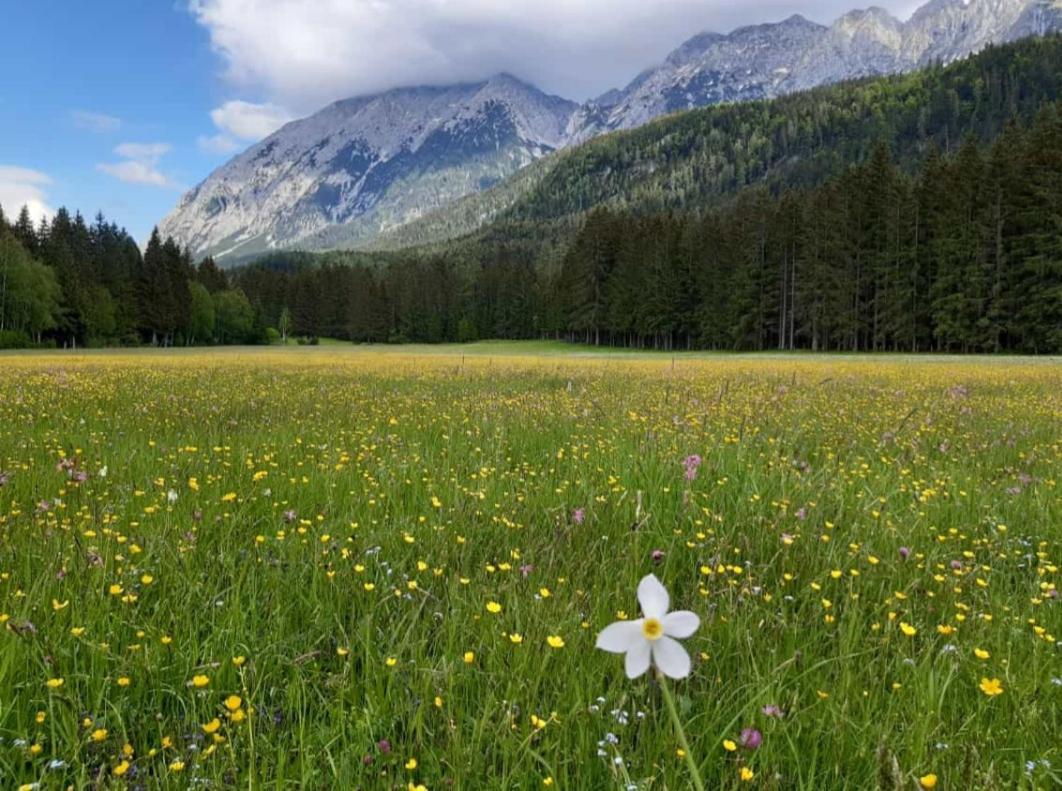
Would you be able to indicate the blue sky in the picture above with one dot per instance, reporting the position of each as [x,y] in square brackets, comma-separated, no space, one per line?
[85,78]
[120,105]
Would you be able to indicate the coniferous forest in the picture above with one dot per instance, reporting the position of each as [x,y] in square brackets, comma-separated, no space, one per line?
[917,213]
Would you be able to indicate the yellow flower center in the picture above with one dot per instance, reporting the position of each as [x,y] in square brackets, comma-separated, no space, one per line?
[652,629]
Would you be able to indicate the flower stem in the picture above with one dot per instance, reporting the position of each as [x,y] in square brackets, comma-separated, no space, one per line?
[695,773]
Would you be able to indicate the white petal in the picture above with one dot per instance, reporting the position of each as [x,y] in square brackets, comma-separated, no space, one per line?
[653,597]
[681,623]
[618,638]
[638,658]
[671,658]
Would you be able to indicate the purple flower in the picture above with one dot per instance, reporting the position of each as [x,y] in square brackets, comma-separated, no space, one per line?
[692,464]
[802,514]
[657,556]
[771,710]
[905,553]
[956,564]
[383,746]
[525,570]
[751,739]
[367,759]
[578,515]
[4,478]
[290,516]
[79,477]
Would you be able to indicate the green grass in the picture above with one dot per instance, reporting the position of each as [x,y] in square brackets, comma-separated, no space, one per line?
[424,482]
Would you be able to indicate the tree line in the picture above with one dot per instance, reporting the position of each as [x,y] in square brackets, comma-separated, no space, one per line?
[66,283]
[964,254]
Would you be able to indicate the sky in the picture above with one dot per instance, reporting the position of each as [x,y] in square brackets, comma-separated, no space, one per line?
[120,106]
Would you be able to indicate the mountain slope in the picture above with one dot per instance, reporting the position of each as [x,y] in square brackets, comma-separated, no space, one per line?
[698,159]
[766,61]
[369,164]
[407,166]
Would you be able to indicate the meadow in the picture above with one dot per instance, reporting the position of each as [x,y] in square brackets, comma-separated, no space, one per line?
[363,569]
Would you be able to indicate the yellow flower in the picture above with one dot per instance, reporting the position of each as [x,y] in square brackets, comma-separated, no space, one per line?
[121,769]
[746,774]
[982,654]
[547,781]
[99,734]
[233,702]
[238,716]
[177,766]
[729,745]
[54,683]
[928,781]
[516,638]
[555,641]
[390,661]
[239,660]
[212,726]
[200,681]
[411,764]
[342,651]
[907,629]
[494,607]
[124,681]
[991,687]
[469,657]
[228,498]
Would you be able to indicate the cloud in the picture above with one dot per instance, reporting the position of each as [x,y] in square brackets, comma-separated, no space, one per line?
[95,122]
[302,54]
[23,187]
[139,165]
[248,121]
[146,152]
[217,144]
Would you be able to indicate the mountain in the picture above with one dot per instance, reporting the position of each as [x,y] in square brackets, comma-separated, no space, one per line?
[766,61]
[369,164]
[362,170]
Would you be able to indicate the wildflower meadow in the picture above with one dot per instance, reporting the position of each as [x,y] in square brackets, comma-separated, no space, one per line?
[339,568]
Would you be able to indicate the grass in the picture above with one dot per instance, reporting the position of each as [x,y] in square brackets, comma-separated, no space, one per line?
[318,532]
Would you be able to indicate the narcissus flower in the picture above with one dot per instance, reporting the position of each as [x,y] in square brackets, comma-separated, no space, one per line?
[650,639]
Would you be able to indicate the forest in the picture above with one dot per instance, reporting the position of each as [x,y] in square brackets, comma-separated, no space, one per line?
[914,213]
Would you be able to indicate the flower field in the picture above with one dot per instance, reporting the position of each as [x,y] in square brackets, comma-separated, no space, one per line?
[348,569]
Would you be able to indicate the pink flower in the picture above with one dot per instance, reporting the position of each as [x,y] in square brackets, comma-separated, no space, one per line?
[578,515]
[771,710]
[750,739]
[692,464]
[905,553]
[657,556]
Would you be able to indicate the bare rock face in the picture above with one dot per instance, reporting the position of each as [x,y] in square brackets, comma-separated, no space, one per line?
[364,166]
[369,163]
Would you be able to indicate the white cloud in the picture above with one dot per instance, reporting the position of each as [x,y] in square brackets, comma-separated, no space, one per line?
[143,152]
[301,54]
[23,187]
[95,122]
[248,121]
[217,144]
[139,165]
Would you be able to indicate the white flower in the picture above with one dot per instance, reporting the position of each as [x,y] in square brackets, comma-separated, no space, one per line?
[650,639]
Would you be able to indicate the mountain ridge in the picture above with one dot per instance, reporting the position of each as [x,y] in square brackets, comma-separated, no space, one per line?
[411,152]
